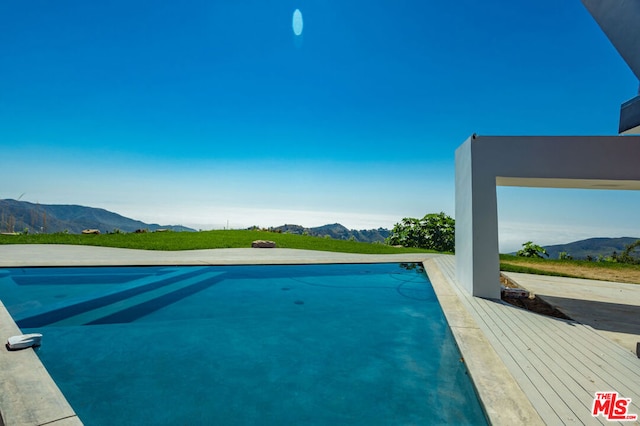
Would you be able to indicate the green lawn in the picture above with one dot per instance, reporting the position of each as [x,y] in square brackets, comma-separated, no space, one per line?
[533,261]
[609,271]
[206,240]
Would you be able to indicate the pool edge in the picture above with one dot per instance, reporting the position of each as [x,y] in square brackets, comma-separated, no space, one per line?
[501,397]
[28,394]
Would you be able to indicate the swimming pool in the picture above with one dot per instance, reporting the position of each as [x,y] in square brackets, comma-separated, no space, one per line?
[306,344]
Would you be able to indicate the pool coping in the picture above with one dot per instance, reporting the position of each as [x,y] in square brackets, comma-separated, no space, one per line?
[28,394]
[502,399]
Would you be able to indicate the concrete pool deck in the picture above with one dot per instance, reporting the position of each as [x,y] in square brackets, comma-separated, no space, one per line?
[66,255]
[519,361]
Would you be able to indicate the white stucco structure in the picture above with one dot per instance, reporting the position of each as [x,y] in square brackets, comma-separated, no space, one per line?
[483,162]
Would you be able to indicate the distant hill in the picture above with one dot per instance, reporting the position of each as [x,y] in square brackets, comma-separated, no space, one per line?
[593,247]
[50,218]
[337,232]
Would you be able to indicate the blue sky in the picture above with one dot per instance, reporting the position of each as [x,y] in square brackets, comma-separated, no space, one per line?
[206,113]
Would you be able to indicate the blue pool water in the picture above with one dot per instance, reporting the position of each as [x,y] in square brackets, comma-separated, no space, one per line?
[238,345]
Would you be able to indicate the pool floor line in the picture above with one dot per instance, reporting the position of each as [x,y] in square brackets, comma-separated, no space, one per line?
[43,316]
[96,316]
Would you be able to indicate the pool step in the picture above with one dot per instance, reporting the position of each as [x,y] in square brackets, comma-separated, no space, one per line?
[71,307]
[111,311]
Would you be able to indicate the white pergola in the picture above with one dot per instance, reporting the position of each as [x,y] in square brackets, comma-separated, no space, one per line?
[484,162]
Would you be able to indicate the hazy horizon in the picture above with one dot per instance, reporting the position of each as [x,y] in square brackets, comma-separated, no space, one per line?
[202,112]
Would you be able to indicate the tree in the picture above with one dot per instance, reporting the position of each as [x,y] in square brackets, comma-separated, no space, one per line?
[531,250]
[627,255]
[435,231]
[563,255]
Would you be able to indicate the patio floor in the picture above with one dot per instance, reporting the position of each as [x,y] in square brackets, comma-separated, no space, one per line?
[558,364]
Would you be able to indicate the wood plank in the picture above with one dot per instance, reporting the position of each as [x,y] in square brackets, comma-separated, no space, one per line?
[568,394]
[578,349]
[556,392]
[558,364]
[573,363]
[516,366]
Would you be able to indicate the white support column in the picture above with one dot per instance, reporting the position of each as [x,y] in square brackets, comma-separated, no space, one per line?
[477,261]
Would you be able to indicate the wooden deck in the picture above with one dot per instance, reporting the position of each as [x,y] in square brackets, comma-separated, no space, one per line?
[558,364]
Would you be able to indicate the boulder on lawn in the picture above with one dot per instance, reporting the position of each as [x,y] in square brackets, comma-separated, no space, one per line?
[263,244]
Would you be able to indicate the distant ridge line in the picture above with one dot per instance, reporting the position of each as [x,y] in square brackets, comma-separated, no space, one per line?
[335,231]
[21,216]
[592,247]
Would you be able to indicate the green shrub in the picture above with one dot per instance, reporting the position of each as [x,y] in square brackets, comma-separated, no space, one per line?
[435,231]
[531,250]
[563,255]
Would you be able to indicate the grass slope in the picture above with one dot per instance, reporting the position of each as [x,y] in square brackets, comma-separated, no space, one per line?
[207,240]
[606,271]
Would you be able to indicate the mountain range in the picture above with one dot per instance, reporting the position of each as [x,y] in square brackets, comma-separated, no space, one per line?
[18,216]
[592,247]
[337,232]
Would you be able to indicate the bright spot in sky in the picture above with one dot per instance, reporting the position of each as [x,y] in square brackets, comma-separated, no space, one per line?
[297,22]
